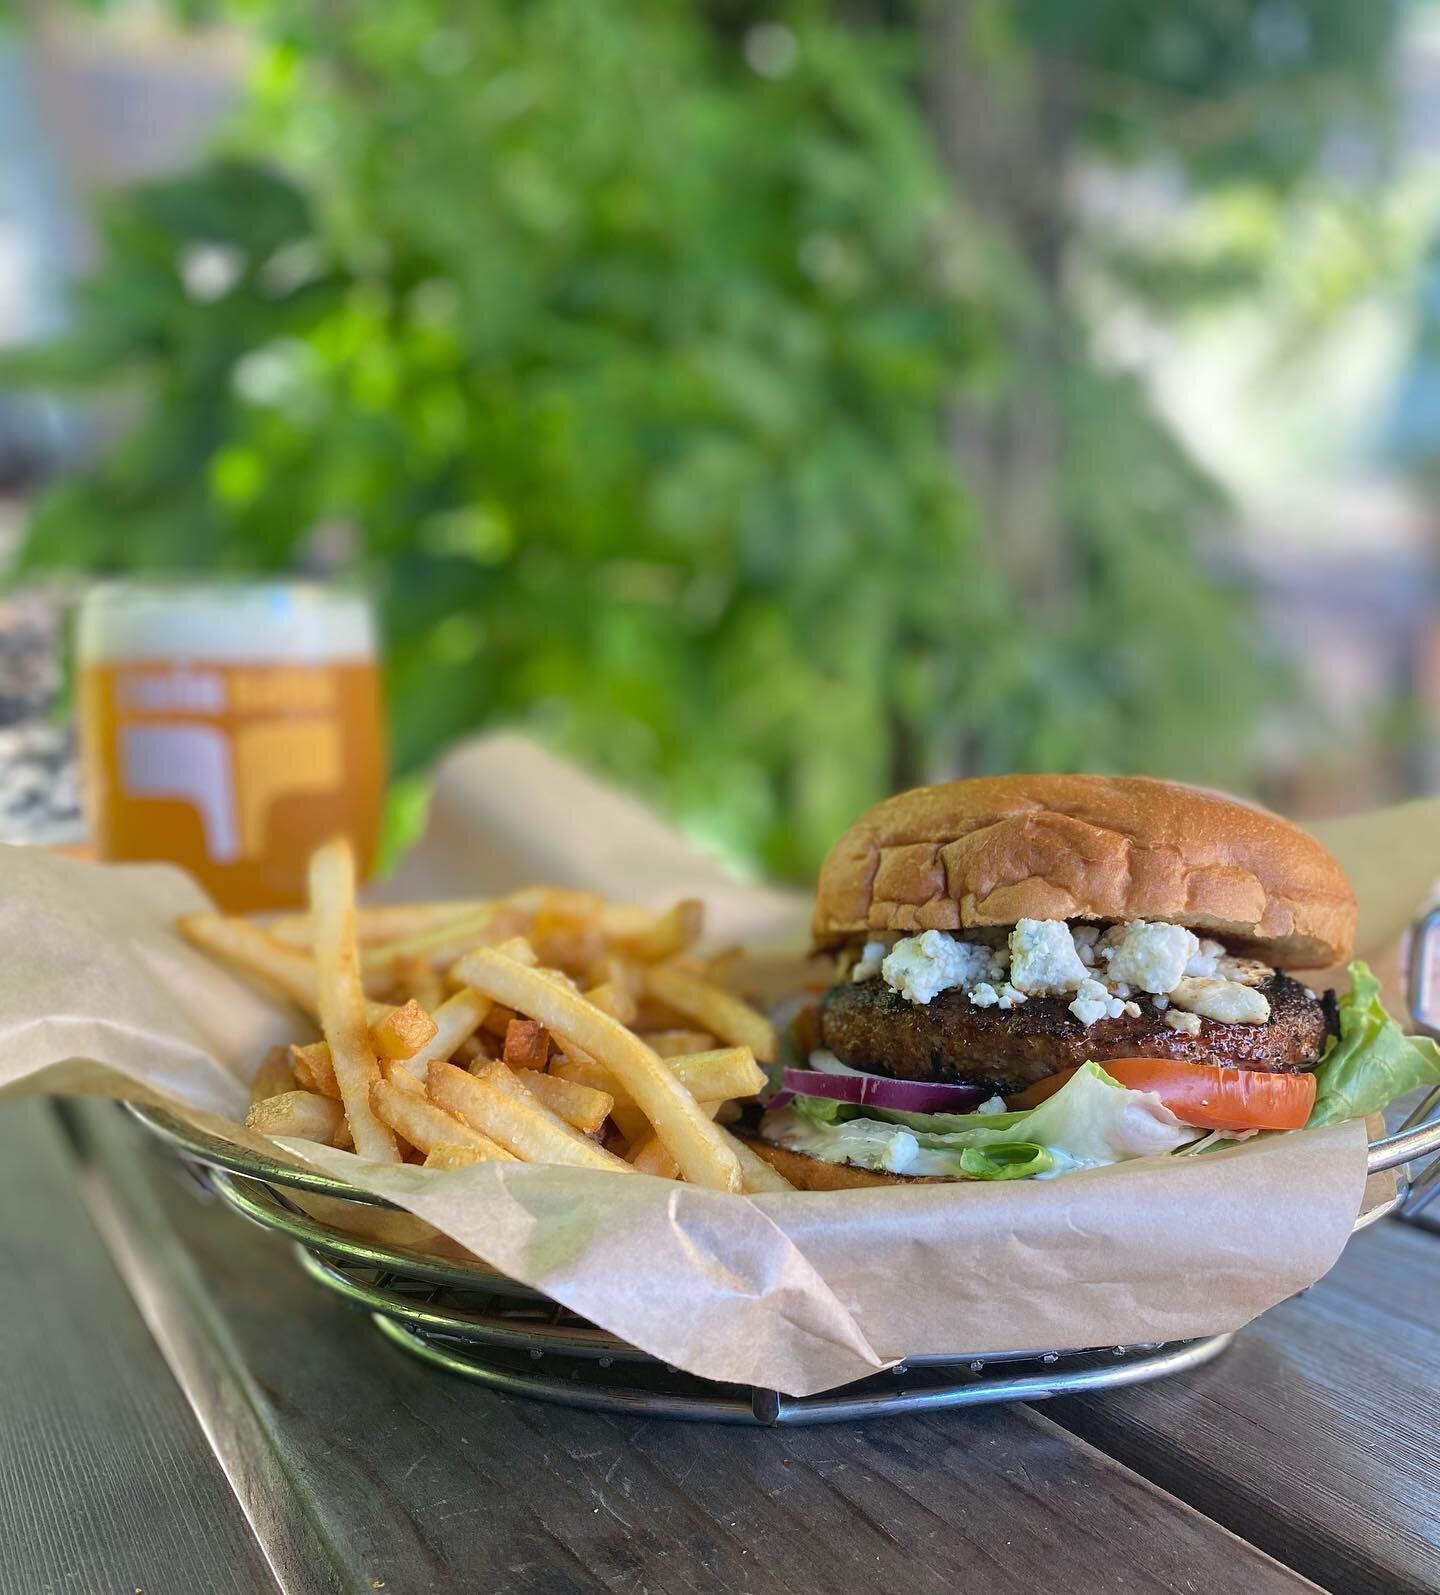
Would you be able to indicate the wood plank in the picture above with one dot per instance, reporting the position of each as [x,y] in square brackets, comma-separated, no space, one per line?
[1315,1435]
[106,1483]
[421,1480]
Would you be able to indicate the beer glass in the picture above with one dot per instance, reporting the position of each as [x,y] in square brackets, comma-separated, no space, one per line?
[230,729]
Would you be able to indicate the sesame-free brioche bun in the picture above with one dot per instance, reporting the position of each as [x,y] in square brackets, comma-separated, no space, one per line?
[808,1173]
[1000,848]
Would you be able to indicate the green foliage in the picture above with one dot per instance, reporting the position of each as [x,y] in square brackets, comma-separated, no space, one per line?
[1247,91]
[621,369]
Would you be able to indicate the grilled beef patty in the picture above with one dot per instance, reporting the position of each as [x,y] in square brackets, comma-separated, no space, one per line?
[871,1027]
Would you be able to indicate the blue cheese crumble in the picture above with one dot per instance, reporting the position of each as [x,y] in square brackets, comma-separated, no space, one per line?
[1153,957]
[1046,958]
[1043,958]
[920,967]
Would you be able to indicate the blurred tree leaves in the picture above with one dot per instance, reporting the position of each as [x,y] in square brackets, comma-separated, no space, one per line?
[614,344]
[1247,91]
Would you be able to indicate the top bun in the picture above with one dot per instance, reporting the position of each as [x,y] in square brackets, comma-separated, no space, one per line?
[1001,848]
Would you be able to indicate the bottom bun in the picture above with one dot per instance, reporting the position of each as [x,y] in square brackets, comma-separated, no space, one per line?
[808,1173]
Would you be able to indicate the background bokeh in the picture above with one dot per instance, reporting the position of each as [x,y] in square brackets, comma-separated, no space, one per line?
[770,404]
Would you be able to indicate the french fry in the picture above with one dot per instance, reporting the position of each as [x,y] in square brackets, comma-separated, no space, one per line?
[651,1014]
[614,997]
[565,942]
[389,922]
[579,1105]
[418,978]
[499,1073]
[291,930]
[446,1155]
[562,923]
[570,902]
[453,1023]
[313,1069]
[670,933]
[721,968]
[456,1021]
[274,1076]
[612,970]
[342,998]
[497,1021]
[568,1049]
[417,1120]
[649,1156]
[521,1127]
[585,1071]
[690,964]
[755,1172]
[520,950]
[442,944]
[718,1075]
[397,1073]
[630,1122]
[622,922]
[473,1051]
[704,1156]
[527,1045]
[652,1158]
[707,1076]
[656,1050]
[302,1114]
[402,1032]
[674,1043]
[713,1009]
[248,947]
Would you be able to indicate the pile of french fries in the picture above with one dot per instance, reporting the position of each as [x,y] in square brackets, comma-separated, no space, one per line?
[547,1026]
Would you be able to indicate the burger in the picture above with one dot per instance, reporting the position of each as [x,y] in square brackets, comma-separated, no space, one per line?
[1041,973]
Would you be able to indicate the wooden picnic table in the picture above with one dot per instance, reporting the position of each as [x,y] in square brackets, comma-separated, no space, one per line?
[182,1412]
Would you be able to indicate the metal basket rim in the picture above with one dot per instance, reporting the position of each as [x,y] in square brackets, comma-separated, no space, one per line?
[1413,1141]
[1419,1138]
[210,1149]
[308,1231]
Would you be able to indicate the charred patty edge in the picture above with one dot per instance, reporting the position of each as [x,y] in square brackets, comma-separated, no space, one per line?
[868,1026]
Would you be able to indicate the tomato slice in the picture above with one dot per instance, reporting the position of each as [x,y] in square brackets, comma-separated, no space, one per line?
[1203,1094]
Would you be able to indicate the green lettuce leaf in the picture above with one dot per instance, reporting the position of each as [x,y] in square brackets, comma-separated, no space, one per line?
[1091,1120]
[950,1123]
[1373,1061]
[1006,1160]
[826,1110]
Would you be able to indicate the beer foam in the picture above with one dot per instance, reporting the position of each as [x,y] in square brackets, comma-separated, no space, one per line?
[224,623]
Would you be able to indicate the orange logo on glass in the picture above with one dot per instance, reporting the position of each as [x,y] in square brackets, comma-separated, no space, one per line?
[230,730]
[231,741]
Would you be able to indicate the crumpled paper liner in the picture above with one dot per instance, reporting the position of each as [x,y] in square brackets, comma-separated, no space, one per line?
[797,1292]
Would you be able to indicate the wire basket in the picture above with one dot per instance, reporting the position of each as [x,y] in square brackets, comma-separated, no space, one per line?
[461,1315]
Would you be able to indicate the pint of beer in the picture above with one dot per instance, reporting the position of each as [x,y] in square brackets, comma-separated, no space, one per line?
[230,729]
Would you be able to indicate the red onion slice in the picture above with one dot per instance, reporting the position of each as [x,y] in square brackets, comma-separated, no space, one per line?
[873,1090]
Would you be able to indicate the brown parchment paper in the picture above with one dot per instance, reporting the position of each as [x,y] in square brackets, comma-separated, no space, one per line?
[796,1292]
